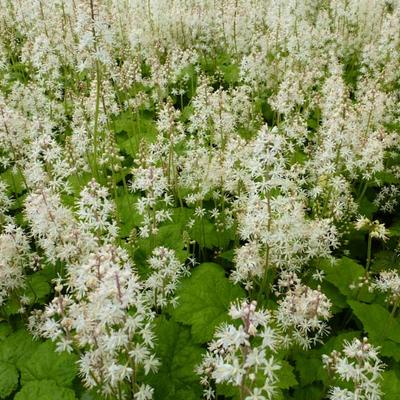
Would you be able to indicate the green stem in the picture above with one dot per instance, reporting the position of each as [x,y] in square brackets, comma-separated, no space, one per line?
[369,248]
[364,189]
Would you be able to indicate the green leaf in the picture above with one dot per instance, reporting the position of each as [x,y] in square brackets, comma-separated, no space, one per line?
[169,236]
[37,287]
[309,363]
[78,182]
[309,369]
[367,207]
[345,274]
[127,213]
[377,321]
[385,259]
[231,73]
[227,255]
[228,391]
[5,330]
[387,348]
[309,393]
[44,390]
[8,379]
[394,229]
[386,177]
[12,305]
[132,129]
[333,293]
[91,395]
[46,364]
[205,233]
[336,342]
[390,385]
[14,181]
[204,299]
[286,378]
[17,347]
[176,378]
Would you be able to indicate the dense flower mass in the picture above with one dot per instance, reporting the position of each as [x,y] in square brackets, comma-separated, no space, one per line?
[360,365]
[231,358]
[199,199]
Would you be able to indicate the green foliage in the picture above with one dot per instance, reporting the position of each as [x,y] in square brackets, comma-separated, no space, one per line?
[17,348]
[127,214]
[377,321]
[44,390]
[176,379]
[309,363]
[14,181]
[382,328]
[309,369]
[36,366]
[132,129]
[8,379]
[285,380]
[37,287]
[285,375]
[205,233]
[383,259]
[5,330]
[335,296]
[367,207]
[312,392]
[204,299]
[391,385]
[46,364]
[345,275]
[169,235]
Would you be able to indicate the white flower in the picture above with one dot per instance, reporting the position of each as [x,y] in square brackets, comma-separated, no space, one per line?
[145,392]
[303,312]
[256,395]
[389,281]
[232,358]
[167,271]
[360,365]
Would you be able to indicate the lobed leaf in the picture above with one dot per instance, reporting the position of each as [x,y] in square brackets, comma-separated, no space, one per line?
[204,299]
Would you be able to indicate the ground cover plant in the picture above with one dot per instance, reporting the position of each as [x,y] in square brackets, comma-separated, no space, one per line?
[199,199]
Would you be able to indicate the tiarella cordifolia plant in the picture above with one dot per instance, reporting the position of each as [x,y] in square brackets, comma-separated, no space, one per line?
[388,282]
[161,160]
[15,258]
[302,313]
[360,365]
[236,357]
[104,315]
[101,311]
[166,271]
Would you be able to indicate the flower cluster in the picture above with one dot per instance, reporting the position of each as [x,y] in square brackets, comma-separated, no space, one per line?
[167,270]
[375,229]
[95,210]
[251,131]
[360,365]
[389,282]
[243,356]
[153,183]
[103,311]
[15,258]
[303,312]
[101,308]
